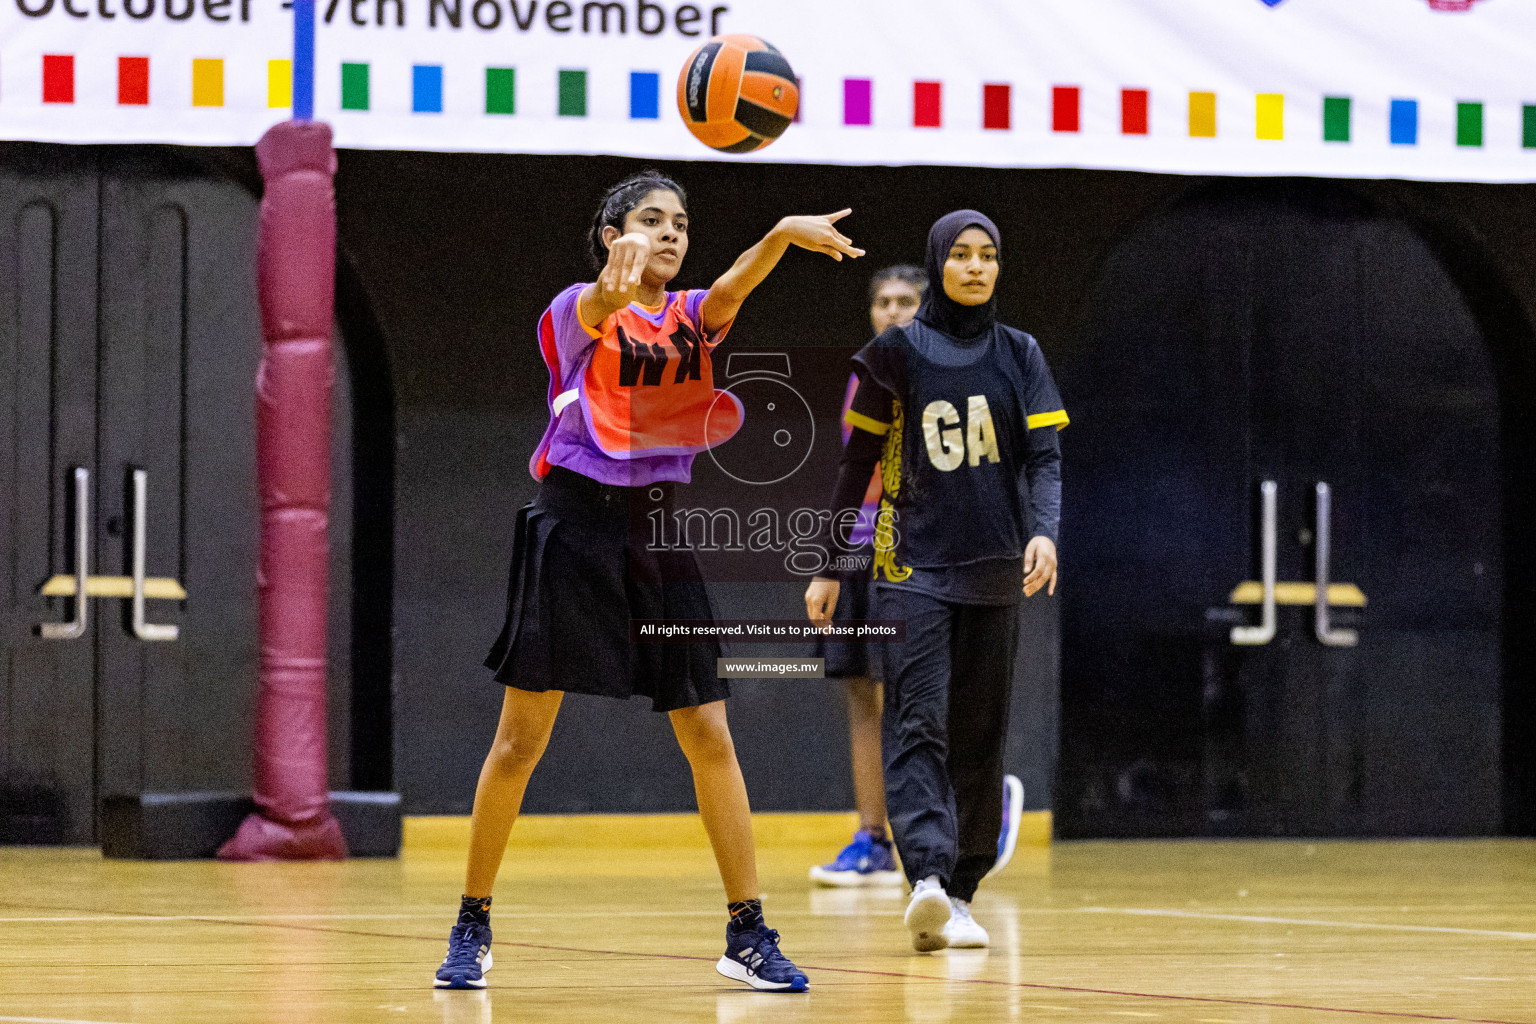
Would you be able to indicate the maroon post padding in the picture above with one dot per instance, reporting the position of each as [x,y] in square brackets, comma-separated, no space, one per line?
[295,268]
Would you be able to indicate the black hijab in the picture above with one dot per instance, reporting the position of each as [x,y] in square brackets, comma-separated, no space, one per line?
[938,310]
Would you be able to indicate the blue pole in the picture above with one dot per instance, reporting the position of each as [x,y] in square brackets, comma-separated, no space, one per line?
[303,60]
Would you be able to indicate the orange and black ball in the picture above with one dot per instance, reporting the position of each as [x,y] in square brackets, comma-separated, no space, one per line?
[737,93]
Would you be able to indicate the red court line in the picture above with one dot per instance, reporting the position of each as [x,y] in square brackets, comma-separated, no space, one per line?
[1036,986]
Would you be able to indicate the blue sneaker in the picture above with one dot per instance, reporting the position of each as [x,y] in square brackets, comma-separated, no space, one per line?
[752,956]
[1013,814]
[469,957]
[862,862]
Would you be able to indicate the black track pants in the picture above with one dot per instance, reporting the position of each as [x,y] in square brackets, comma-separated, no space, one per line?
[947,693]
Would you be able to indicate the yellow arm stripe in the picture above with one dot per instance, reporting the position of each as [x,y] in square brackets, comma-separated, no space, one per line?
[1057,419]
[858,419]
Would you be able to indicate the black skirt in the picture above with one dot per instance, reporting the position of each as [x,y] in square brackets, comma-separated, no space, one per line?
[583,565]
[847,659]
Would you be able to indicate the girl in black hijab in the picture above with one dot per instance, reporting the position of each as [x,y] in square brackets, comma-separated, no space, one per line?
[958,410]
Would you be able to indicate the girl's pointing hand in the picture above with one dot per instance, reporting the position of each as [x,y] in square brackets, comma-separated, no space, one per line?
[818,234]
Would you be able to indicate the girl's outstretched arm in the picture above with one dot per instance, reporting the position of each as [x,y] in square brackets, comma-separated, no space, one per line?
[732,288]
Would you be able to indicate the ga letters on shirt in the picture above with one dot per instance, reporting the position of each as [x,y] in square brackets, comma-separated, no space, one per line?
[957,422]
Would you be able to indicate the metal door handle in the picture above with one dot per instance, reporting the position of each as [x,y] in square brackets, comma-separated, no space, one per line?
[1326,635]
[141,629]
[1264,632]
[75,628]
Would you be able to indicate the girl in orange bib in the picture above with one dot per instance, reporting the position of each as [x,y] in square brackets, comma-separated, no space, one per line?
[631,401]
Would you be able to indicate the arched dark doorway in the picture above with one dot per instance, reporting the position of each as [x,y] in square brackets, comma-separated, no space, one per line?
[1292,332]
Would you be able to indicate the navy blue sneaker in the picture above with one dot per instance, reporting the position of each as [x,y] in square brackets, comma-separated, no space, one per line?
[752,956]
[469,957]
[862,862]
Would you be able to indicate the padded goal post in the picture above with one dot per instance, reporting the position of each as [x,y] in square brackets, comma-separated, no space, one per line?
[296,266]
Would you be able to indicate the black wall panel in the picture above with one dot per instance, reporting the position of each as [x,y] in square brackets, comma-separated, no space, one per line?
[457,256]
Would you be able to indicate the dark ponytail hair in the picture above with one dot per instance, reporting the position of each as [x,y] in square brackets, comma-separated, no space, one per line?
[622,198]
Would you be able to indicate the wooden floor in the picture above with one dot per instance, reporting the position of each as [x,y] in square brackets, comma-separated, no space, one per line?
[622,921]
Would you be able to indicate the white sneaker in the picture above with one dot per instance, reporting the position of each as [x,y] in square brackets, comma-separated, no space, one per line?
[926,916]
[961,930]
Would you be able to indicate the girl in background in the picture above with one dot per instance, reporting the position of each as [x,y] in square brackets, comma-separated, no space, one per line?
[894,294]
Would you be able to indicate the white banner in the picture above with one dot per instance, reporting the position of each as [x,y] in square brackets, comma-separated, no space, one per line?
[1430,89]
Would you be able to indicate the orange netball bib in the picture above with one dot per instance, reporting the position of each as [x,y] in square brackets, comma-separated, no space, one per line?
[649,388]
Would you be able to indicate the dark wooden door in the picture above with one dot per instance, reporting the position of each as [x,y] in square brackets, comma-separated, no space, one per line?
[129,340]
[48,360]
[180,344]
[1282,332]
